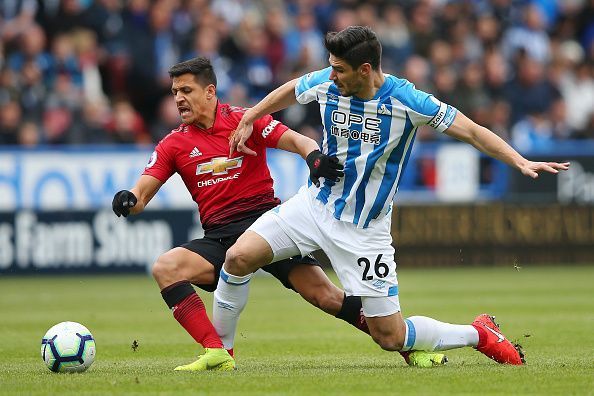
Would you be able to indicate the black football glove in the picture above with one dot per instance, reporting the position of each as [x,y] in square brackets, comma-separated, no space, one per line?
[122,202]
[322,165]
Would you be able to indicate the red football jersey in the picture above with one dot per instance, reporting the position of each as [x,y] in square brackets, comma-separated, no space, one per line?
[225,189]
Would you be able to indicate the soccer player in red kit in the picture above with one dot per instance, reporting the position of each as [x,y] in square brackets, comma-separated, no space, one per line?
[231,193]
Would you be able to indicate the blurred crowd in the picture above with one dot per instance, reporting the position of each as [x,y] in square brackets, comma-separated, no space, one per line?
[95,71]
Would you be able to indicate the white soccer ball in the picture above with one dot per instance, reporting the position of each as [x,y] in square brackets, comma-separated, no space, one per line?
[68,347]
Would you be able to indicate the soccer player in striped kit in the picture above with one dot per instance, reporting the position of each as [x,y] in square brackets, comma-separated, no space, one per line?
[370,120]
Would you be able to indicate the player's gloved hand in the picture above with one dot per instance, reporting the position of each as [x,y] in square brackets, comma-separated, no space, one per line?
[322,165]
[122,202]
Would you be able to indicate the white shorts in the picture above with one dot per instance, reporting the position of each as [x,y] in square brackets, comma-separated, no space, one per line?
[363,259]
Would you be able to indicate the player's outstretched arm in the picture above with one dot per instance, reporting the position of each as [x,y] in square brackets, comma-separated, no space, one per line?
[468,131]
[280,98]
[297,143]
[134,201]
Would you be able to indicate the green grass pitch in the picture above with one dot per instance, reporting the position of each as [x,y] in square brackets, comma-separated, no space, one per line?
[285,346]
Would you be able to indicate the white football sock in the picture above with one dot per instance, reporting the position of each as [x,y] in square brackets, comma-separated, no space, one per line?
[427,334]
[230,298]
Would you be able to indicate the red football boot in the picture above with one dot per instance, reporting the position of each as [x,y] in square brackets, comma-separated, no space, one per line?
[494,344]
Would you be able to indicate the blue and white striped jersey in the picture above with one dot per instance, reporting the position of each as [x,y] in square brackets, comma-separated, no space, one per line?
[371,138]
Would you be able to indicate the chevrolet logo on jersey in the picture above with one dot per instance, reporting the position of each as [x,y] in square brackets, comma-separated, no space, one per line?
[219,166]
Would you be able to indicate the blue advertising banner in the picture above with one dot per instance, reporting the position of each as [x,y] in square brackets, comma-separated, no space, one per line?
[74,241]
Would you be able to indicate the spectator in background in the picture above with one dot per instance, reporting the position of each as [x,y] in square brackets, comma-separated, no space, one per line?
[367,14]
[466,46]
[126,125]
[238,94]
[32,42]
[88,54]
[488,30]
[499,115]
[9,89]
[394,35]
[232,11]
[529,92]
[470,96]
[16,16]
[577,89]
[303,42]
[56,122]
[10,119]
[533,132]
[441,54]
[207,43]
[275,26]
[151,48]
[255,67]
[496,74]
[530,37]
[109,22]
[422,25]
[33,91]
[94,120]
[558,117]
[183,24]
[444,83]
[113,48]
[69,15]
[342,19]
[64,61]
[416,70]
[29,134]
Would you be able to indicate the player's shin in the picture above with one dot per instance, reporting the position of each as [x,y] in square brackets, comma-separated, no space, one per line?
[188,309]
[230,298]
[427,334]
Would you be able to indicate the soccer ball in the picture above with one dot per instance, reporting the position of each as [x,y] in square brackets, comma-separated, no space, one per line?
[68,347]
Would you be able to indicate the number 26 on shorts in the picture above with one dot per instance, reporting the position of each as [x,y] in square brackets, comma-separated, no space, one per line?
[380,269]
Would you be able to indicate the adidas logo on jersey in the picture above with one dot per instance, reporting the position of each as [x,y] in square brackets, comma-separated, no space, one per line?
[195,152]
[383,110]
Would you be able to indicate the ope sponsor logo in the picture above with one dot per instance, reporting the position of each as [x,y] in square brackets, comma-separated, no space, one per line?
[344,121]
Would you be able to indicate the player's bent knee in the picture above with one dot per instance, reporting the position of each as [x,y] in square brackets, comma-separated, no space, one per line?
[165,267]
[237,262]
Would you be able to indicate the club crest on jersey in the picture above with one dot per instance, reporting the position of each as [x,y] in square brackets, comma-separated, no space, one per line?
[383,110]
[152,160]
[219,166]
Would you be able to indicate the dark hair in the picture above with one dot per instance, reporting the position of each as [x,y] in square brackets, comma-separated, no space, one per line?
[200,67]
[356,45]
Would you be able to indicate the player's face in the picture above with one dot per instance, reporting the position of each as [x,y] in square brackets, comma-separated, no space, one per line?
[193,101]
[349,81]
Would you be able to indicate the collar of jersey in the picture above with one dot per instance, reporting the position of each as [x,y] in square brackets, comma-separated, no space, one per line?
[386,87]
